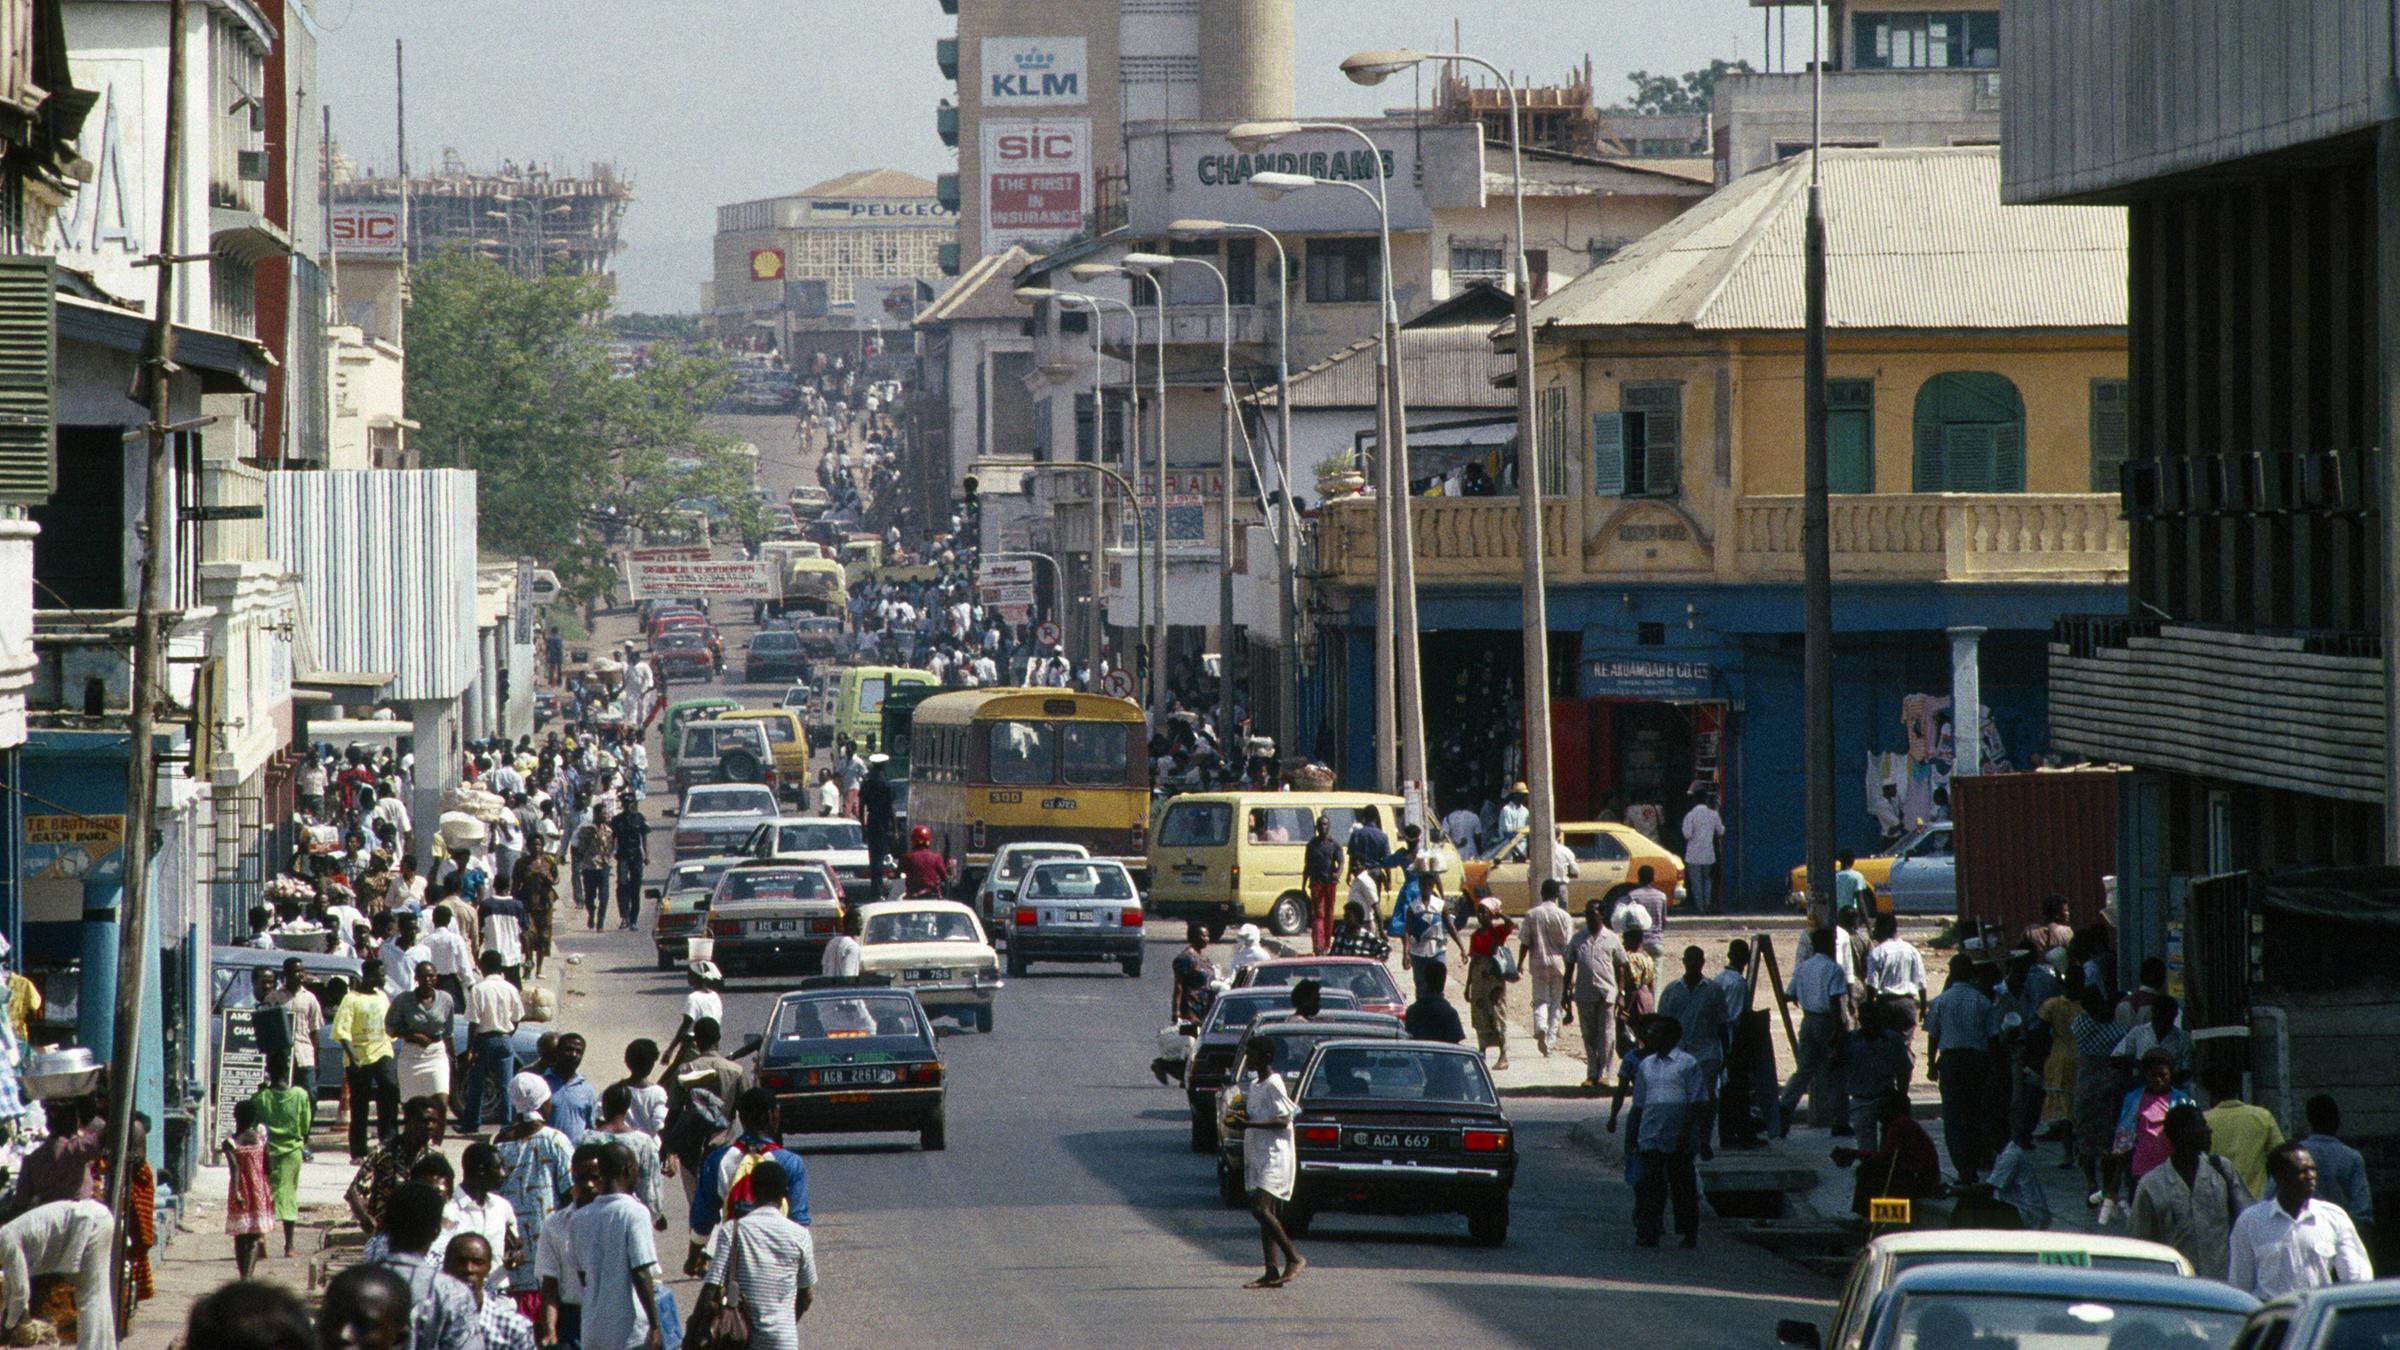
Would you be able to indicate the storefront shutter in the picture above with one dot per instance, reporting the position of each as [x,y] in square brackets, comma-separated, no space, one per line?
[28,380]
[1608,454]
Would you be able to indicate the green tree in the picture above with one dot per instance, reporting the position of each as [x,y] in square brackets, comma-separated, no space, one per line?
[1693,91]
[510,377]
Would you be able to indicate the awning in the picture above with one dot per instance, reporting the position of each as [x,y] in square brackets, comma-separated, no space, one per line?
[225,364]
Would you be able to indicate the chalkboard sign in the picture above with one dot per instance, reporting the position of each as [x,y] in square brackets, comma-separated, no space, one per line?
[241,1068]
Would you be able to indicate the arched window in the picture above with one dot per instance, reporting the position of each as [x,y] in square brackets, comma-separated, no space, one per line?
[1970,434]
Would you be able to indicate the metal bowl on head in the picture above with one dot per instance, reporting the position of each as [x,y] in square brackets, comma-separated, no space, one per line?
[69,1071]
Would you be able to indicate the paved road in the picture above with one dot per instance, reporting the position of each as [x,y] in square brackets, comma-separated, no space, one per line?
[1068,1211]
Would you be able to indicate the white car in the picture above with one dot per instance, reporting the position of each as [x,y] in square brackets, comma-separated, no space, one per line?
[999,888]
[835,841]
[1889,1256]
[936,950]
[716,817]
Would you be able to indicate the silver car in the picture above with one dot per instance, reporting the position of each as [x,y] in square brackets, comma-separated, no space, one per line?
[717,817]
[999,888]
[1076,909]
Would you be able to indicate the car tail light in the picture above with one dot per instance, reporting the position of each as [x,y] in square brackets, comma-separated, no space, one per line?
[688,839]
[925,1073]
[1484,1141]
[1141,836]
[774,1082]
[725,927]
[1026,918]
[976,835]
[1321,1134]
[1131,918]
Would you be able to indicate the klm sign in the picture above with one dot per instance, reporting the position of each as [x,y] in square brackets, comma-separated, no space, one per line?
[1033,72]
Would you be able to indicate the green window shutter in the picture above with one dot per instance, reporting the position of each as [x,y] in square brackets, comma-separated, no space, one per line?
[1608,454]
[1932,471]
[28,380]
[1967,454]
[2008,458]
[1656,470]
[1850,435]
[2112,433]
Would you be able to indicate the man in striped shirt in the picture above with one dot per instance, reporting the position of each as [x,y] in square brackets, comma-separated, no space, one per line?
[770,1262]
[468,1259]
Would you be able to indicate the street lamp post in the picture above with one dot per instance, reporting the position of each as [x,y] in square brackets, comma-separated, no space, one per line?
[1035,294]
[1400,702]
[1113,476]
[1286,721]
[1374,68]
[1158,549]
[1155,263]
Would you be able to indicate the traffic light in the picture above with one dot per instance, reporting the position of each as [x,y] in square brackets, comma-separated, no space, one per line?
[973,485]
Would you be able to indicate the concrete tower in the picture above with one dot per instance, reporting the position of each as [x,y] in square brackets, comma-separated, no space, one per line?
[1245,60]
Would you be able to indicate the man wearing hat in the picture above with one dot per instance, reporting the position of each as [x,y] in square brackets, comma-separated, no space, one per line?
[1515,815]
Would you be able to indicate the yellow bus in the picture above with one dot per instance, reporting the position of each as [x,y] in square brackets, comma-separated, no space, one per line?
[993,766]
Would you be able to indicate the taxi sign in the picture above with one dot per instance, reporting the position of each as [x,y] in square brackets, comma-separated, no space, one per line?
[1893,1211]
[2076,1259]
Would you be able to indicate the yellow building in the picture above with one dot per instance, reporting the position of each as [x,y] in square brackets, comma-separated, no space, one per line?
[1976,386]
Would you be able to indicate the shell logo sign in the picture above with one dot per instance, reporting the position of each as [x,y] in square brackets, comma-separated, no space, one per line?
[766,264]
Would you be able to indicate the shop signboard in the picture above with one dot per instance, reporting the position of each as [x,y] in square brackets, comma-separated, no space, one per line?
[241,1065]
[726,579]
[1037,178]
[1648,677]
[365,229]
[1034,72]
[670,553]
[74,848]
[878,303]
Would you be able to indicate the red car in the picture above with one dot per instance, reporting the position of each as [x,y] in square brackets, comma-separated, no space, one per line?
[1366,980]
[683,654]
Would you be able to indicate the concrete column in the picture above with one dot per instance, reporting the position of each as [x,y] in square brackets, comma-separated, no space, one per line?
[438,745]
[1966,699]
[488,655]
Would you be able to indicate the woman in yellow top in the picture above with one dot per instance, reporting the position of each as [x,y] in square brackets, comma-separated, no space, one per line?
[2058,1012]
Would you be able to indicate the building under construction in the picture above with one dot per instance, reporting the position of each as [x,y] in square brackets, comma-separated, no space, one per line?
[1564,118]
[530,219]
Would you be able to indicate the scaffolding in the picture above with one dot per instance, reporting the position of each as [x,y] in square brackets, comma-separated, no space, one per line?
[1564,118]
[530,219]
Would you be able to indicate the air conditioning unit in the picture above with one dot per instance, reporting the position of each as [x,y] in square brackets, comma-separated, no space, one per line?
[251,165]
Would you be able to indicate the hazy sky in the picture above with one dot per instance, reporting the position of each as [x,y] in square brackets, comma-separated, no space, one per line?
[704,102]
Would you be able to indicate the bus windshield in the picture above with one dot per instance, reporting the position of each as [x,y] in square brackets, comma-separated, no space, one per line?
[1092,752]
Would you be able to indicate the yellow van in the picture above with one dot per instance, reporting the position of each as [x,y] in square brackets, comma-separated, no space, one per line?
[787,742]
[858,705]
[1232,857]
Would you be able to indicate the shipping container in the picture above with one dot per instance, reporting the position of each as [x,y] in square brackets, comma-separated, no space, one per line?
[2020,837]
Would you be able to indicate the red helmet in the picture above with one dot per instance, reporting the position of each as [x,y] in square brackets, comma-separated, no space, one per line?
[920,837]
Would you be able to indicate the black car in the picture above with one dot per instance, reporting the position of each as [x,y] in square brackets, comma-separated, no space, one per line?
[1293,1041]
[853,1055]
[1402,1127]
[774,655]
[1213,1062]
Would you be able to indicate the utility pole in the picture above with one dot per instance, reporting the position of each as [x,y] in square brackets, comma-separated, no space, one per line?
[400,125]
[1406,661]
[1816,537]
[141,757]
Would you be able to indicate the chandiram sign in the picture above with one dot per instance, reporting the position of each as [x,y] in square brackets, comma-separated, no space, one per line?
[1037,72]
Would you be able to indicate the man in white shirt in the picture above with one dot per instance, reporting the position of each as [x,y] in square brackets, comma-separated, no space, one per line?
[2294,1241]
[453,960]
[68,1238]
[843,954]
[390,810]
[1463,826]
[1895,969]
[478,1207]
[1820,987]
[494,1008]
[1703,828]
[1515,815]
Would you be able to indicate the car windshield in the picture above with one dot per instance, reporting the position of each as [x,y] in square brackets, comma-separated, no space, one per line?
[713,800]
[696,876]
[774,883]
[1078,881]
[828,836]
[775,642]
[1399,1074]
[1597,846]
[2064,1253]
[1236,1011]
[1292,1047]
[1366,983]
[1015,861]
[1196,825]
[819,1019]
[921,925]
[1931,842]
[2028,1322]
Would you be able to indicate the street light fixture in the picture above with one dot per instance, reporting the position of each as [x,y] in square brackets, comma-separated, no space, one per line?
[1286,724]
[1152,264]
[1157,691]
[1399,693]
[1141,603]
[1373,67]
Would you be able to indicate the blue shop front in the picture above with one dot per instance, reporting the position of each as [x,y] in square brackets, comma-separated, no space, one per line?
[1662,692]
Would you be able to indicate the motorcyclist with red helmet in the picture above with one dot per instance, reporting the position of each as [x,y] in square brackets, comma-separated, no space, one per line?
[924,873]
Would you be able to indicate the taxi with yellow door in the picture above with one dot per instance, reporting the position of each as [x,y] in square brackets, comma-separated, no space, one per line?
[1607,856]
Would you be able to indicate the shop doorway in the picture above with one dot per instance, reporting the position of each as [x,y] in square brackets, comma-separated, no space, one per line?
[1639,761]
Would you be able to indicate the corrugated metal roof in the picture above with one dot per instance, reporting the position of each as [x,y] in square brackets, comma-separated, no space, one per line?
[1450,367]
[387,570]
[1916,238]
[871,183]
[986,290]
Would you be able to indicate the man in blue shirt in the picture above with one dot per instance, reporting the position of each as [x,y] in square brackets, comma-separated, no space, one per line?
[573,1103]
[756,1112]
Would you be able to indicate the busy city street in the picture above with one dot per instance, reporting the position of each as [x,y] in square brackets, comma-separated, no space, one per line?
[1121,673]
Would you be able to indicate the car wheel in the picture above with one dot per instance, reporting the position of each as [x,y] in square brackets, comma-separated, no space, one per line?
[983,1019]
[1229,1184]
[1016,961]
[1288,917]
[932,1136]
[1489,1225]
[1133,967]
[1204,1133]
[1297,1217]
